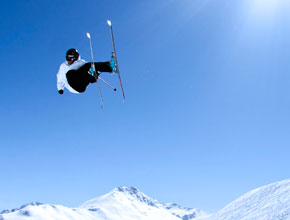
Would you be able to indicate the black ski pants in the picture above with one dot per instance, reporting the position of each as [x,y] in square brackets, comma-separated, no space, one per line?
[79,79]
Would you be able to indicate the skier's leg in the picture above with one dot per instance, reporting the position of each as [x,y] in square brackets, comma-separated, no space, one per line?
[103,67]
[84,70]
[79,80]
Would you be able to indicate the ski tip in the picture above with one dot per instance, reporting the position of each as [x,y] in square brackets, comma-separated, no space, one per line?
[88,35]
[109,22]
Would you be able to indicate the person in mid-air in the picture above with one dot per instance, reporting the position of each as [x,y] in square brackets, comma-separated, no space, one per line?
[76,74]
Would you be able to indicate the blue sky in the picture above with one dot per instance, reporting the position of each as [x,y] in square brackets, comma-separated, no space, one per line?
[207,111]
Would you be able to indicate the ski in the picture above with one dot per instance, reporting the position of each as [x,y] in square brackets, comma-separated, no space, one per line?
[114,59]
[93,69]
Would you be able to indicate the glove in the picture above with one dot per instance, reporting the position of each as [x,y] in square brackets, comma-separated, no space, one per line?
[60,91]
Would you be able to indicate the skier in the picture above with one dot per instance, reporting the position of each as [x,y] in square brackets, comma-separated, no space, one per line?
[75,74]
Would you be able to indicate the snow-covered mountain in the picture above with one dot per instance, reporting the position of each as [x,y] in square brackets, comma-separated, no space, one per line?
[271,202]
[126,203]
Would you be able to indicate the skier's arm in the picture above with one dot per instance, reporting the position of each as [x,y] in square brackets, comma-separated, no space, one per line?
[60,80]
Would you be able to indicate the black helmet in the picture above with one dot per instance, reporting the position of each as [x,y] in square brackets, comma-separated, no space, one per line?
[72,54]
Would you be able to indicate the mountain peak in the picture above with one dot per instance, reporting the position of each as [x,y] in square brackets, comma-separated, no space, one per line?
[137,194]
[130,189]
[22,207]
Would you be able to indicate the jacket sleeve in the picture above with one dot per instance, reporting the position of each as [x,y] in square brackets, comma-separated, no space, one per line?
[60,78]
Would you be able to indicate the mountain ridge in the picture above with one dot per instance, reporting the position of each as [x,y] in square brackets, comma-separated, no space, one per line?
[269,202]
[124,202]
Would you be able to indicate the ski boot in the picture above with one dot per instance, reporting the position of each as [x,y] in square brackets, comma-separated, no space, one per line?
[113,64]
[93,73]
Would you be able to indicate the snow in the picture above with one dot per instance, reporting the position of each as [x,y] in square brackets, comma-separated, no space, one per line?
[183,213]
[126,203]
[271,202]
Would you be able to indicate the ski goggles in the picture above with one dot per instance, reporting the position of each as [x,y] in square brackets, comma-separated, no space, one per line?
[70,57]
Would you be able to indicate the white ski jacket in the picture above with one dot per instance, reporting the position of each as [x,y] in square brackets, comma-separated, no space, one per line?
[61,75]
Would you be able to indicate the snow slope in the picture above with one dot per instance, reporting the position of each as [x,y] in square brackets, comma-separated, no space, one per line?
[126,203]
[133,199]
[271,202]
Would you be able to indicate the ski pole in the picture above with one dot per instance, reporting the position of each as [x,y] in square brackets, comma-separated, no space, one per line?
[107,84]
[101,96]
[94,68]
